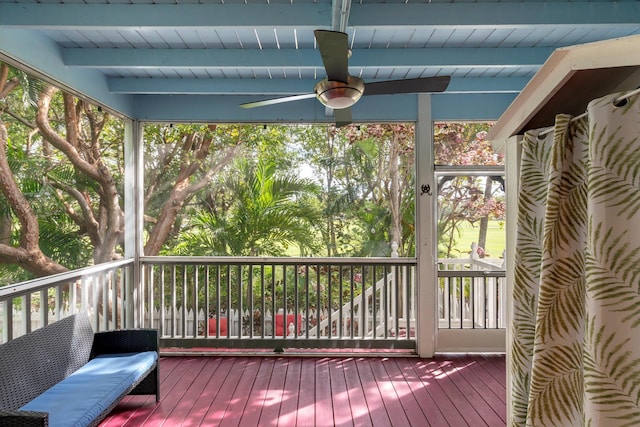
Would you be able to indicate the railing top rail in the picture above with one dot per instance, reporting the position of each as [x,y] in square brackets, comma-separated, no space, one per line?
[225,260]
[471,273]
[10,291]
[489,263]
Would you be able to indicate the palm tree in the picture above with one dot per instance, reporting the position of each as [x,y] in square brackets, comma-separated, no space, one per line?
[264,214]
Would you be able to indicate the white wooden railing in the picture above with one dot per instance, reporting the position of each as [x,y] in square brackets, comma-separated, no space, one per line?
[472,293]
[104,291]
[331,301]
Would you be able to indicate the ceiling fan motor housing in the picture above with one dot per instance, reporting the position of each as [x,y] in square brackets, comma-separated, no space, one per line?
[338,95]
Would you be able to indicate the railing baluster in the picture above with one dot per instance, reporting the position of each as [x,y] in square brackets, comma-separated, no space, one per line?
[104,294]
[26,313]
[365,303]
[296,301]
[340,300]
[118,305]
[407,314]
[228,309]
[44,307]
[183,301]
[330,301]
[352,319]
[450,297]
[207,300]
[251,310]
[274,309]
[307,315]
[162,304]
[472,302]
[263,304]
[318,316]
[174,296]
[498,306]
[218,300]
[8,310]
[149,272]
[459,301]
[397,300]
[196,294]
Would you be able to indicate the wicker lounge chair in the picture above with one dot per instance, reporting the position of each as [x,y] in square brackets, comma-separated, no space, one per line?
[64,374]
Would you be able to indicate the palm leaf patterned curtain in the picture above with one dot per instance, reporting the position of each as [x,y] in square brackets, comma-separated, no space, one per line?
[575,355]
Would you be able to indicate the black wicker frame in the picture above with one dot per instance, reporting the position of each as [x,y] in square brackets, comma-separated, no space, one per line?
[32,363]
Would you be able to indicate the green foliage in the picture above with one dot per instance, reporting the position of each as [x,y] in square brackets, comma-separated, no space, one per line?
[464,199]
[266,215]
[63,198]
[292,190]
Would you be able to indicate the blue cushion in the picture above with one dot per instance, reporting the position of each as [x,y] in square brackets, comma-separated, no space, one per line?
[85,394]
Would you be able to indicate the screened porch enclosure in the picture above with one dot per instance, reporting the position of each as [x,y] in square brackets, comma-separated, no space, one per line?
[236,300]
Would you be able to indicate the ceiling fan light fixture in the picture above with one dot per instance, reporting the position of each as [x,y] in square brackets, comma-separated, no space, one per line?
[339,95]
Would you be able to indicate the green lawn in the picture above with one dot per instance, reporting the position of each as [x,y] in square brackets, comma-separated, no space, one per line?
[496,237]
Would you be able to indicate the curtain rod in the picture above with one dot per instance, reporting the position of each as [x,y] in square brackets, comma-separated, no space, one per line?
[573,119]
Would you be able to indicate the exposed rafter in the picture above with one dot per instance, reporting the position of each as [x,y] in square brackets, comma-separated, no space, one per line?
[313,15]
[340,15]
[286,87]
[250,58]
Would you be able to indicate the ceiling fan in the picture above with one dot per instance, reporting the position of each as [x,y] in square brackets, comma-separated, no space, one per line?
[340,90]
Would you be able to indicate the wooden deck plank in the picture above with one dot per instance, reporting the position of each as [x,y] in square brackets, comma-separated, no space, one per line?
[256,398]
[421,394]
[496,366]
[291,390]
[239,402]
[355,392]
[306,416]
[202,402]
[488,381]
[377,411]
[270,391]
[225,389]
[461,367]
[486,389]
[390,398]
[184,410]
[411,406]
[462,392]
[273,399]
[428,371]
[324,401]
[190,368]
[341,409]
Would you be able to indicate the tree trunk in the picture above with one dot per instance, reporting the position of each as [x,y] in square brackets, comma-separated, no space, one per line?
[484,221]
[102,219]
[28,255]
[183,188]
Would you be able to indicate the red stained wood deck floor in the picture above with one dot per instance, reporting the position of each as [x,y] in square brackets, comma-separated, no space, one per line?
[459,390]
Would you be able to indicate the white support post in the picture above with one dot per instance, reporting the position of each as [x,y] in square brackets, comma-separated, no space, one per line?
[133,197]
[426,193]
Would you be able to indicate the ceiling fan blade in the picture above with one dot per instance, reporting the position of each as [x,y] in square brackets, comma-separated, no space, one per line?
[342,117]
[277,100]
[419,85]
[334,48]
